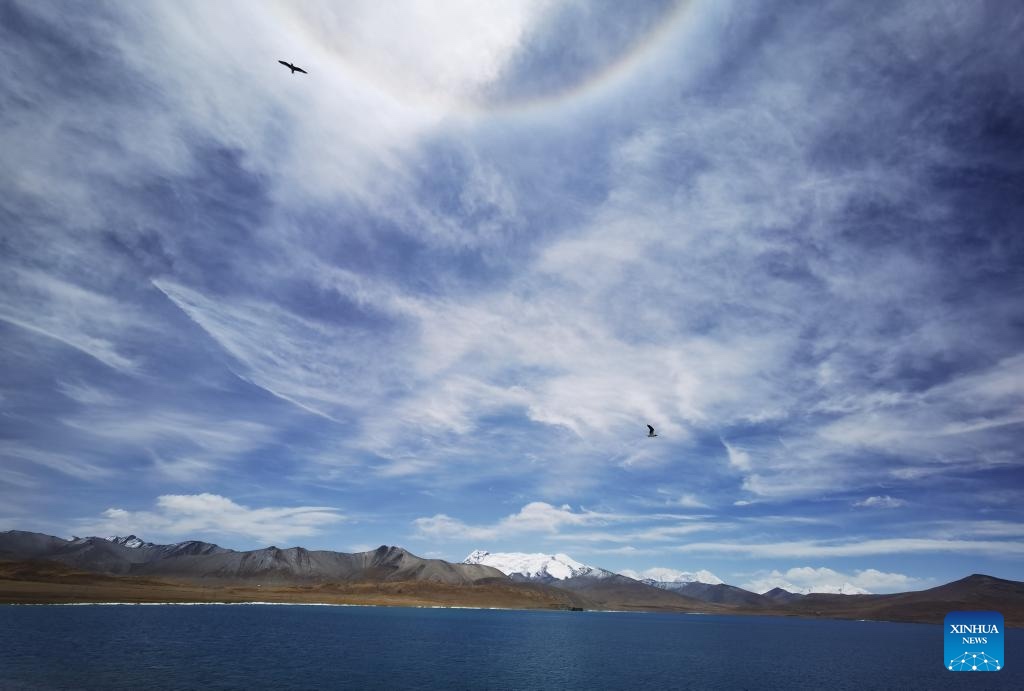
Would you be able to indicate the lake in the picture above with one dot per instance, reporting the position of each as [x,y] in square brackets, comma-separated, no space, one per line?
[308,646]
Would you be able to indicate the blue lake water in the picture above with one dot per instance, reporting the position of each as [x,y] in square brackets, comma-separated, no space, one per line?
[307,647]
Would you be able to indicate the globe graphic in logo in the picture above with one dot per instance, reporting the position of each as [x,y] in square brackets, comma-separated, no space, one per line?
[974,662]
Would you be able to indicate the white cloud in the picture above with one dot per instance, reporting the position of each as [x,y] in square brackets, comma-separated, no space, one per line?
[738,458]
[87,395]
[794,519]
[688,501]
[881,502]
[190,515]
[69,464]
[546,519]
[534,517]
[983,528]
[441,526]
[540,516]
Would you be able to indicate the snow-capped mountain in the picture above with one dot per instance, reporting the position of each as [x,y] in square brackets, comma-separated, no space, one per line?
[129,541]
[602,588]
[539,567]
[659,575]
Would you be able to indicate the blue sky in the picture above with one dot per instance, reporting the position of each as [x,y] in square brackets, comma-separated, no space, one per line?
[430,293]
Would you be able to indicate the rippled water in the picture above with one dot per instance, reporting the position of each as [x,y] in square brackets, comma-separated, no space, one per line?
[305,647]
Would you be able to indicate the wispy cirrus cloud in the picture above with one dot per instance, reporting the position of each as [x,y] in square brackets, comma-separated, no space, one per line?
[299,360]
[180,444]
[88,321]
[71,464]
[880,502]
[472,253]
[974,529]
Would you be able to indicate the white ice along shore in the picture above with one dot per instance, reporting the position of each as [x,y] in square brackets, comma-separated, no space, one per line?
[534,566]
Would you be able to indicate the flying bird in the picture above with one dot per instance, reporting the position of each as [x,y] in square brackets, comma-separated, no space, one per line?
[292,67]
[651,433]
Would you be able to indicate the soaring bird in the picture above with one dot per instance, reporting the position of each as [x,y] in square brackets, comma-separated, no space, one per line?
[651,433]
[292,67]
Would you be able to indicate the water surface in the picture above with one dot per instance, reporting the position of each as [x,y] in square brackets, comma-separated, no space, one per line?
[306,647]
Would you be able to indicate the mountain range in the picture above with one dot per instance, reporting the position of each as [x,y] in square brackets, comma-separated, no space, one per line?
[600,586]
[195,560]
[42,568]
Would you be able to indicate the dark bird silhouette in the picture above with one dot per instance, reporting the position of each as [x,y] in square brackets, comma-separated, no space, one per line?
[292,67]
[651,433]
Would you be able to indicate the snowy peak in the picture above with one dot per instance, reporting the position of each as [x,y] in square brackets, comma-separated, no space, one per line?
[674,577]
[702,576]
[533,566]
[129,541]
[477,556]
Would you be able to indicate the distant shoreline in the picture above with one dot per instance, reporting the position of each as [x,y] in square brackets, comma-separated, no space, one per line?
[340,604]
[786,615]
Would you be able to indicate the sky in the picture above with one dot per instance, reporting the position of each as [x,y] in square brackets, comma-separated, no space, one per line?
[431,293]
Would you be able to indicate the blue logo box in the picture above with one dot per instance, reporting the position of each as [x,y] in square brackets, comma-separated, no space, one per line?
[973,642]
